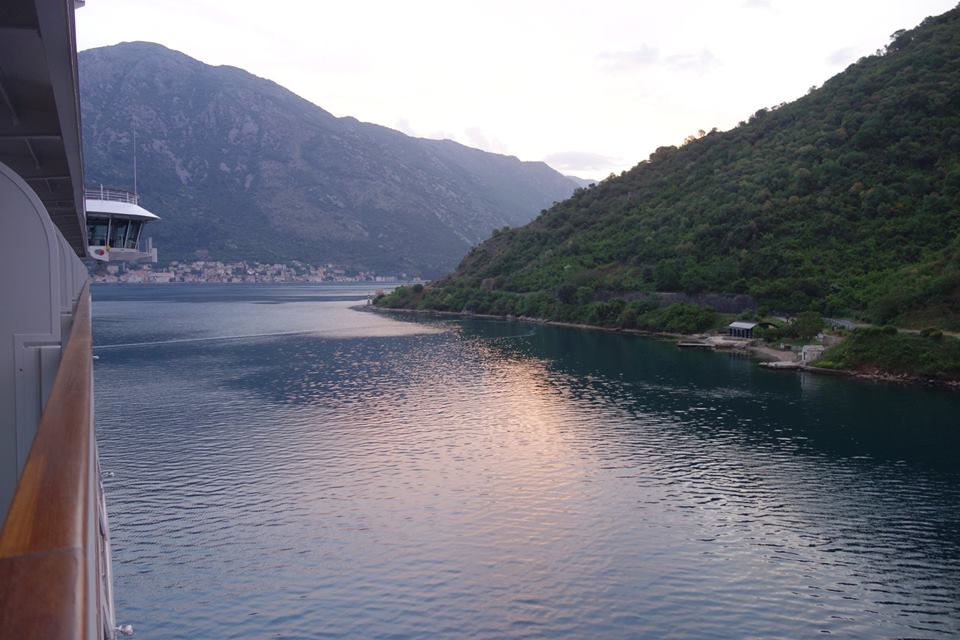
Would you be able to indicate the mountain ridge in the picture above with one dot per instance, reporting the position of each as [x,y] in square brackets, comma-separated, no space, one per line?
[240,167]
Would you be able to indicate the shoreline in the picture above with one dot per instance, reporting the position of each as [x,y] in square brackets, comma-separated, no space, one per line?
[760,353]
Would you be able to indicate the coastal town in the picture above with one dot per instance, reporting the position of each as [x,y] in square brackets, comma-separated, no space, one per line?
[238,272]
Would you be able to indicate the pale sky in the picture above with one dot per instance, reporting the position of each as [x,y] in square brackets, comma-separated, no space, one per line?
[589,87]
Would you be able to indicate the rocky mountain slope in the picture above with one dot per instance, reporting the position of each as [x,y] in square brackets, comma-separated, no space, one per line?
[239,167]
[845,202]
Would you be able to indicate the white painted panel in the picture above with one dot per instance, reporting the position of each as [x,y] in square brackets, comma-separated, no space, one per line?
[29,317]
[49,364]
[27,407]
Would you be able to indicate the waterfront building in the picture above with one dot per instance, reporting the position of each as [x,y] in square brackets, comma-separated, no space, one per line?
[811,352]
[741,329]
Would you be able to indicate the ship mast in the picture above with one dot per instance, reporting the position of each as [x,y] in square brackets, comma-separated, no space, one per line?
[135,192]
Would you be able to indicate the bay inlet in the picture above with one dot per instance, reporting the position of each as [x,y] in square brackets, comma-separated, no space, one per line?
[280,465]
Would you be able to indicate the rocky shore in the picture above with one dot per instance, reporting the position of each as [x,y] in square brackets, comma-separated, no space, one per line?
[767,355]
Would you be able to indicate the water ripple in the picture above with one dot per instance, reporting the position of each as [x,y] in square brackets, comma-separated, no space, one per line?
[488,479]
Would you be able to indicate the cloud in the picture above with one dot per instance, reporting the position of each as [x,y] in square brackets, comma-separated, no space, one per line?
[440,134]
[403,125]
[756,4]
[620,60]
[842,56]
[564,161]
[477,138]
[698,62]
[647,56]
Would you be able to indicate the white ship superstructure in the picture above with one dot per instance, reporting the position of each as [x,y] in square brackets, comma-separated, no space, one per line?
[115,222]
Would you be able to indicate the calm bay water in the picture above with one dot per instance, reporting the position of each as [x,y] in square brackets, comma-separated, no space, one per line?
[286,467]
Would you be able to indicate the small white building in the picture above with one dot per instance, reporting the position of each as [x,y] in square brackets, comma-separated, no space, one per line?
[742,329]
[811,352]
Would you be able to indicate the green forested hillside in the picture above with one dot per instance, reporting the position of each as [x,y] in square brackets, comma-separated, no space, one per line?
[929,354]
[845,202]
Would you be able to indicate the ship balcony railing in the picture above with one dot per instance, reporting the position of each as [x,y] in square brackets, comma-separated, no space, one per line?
[54,547]
[112,195]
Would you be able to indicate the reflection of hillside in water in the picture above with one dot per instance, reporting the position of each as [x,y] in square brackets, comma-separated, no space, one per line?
[826,416]
[859,456]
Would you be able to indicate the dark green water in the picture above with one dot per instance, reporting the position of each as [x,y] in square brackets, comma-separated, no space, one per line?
[286,467]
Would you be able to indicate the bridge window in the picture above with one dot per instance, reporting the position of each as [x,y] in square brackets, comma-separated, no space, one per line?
[118,233]
[133,234]
[97,232]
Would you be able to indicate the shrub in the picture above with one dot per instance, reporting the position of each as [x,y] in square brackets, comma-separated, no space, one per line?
[806,325]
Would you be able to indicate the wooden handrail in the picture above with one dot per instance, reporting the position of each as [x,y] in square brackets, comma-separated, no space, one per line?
[50,583]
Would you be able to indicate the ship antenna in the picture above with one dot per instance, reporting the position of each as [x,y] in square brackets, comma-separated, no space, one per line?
[134,157]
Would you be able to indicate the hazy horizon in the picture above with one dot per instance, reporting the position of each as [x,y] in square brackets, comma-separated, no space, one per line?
[587,91]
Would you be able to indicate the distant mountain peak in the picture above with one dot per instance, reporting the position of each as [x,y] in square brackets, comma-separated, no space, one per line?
[240,167]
